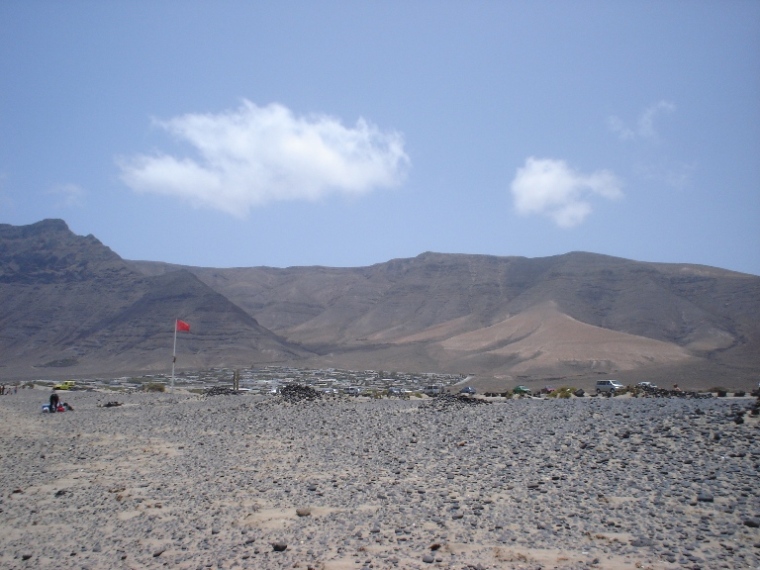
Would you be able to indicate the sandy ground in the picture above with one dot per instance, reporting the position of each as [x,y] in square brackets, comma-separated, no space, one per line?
[175,480]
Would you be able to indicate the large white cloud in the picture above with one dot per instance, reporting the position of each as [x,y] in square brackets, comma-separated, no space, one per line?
[253,155]
[550,187]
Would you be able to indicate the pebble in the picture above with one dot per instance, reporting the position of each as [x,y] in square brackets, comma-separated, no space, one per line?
[390,477]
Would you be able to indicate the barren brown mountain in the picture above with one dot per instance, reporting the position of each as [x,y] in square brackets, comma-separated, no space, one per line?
[569,318]
[71,306]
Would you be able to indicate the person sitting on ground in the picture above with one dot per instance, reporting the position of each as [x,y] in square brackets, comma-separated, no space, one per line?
[676,388]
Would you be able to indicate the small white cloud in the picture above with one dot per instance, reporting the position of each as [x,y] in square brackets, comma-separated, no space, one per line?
[617,126]
[68,195]
[646,119]
[644,125]
[550,187]
[675,175]
[254,155]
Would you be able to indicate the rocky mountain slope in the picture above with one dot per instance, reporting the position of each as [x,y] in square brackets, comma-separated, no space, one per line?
[575,316]
[71,305]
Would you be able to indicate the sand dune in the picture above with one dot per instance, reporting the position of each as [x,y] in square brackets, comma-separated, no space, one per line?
[543,337]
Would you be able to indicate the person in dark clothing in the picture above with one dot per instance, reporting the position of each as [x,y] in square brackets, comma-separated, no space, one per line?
[54,399]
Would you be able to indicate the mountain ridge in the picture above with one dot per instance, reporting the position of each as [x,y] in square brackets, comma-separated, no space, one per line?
[75,307]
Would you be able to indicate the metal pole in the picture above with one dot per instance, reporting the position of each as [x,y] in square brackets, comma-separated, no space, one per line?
[174,353]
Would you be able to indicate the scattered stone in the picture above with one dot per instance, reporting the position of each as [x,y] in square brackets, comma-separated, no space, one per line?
[220,391]
[452,401]
[297,393]
[572,475]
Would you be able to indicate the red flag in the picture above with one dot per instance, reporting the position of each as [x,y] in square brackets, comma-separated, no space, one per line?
[183,326]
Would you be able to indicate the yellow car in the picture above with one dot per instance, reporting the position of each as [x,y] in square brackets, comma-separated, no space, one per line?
[67,385]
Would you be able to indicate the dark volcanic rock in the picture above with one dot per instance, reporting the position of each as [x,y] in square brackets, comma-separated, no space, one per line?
[295,393]
[220,391]
[450,401]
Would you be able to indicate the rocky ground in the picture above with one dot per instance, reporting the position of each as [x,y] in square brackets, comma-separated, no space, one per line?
[187,481]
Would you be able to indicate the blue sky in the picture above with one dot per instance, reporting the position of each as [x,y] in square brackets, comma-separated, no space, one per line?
[350,133]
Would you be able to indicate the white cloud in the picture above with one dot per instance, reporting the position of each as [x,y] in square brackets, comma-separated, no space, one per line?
[644,125]
[69,195]
[550,187]
[254,155]
[617,126]
[675,175]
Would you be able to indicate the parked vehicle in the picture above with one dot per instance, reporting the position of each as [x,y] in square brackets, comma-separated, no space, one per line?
[468,390]
[67,385]
[521,390]
[608,386]
[433,390]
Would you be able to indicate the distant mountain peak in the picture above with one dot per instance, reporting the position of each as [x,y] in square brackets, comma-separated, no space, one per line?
[48,251]
[47,226]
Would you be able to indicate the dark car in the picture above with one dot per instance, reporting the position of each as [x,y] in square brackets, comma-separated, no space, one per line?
[469,390]
[521,390]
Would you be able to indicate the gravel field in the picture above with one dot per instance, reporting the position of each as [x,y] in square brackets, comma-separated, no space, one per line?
[182,481]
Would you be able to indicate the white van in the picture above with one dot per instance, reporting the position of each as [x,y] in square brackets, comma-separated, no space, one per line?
[433,390]
[608,386]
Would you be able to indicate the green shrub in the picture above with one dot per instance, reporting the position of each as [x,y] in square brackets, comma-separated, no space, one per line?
[154,387]
[562,392]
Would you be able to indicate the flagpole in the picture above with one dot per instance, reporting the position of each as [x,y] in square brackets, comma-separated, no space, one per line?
[174,353]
